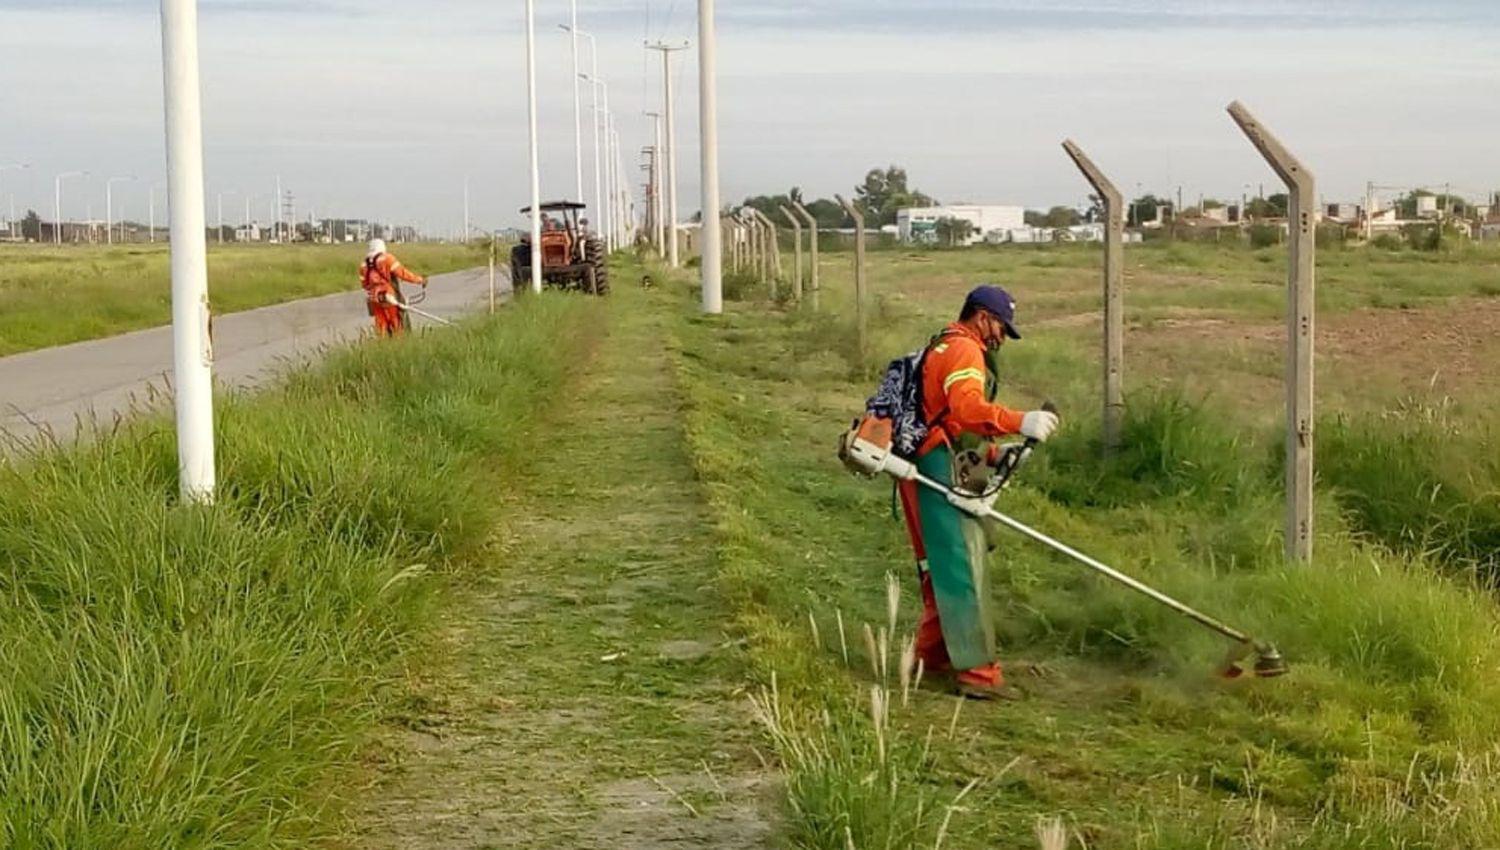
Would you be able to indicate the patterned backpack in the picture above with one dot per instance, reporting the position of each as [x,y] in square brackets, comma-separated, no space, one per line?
[899,399]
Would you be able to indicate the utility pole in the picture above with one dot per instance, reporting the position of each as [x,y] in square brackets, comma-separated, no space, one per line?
[466,209]
[192,347]
[536,179]
[1369,212]
[657,179]
[1301,269]
[708,130]
[670,150]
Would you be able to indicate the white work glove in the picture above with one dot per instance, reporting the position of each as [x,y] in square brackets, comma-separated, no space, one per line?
[1038,424]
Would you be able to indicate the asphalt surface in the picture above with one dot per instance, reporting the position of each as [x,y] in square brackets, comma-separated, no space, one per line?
[58,389]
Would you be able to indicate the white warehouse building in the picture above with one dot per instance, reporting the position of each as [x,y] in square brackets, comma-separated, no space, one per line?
[919,224]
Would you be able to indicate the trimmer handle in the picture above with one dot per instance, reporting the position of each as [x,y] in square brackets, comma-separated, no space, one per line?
[1024,454]
[1032,441]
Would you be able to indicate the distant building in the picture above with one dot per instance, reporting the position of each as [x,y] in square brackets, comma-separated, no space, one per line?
[919,224]
[1343,213]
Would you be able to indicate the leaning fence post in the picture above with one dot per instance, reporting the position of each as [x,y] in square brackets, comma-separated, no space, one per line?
[772,255]
[1114,294]
[1301,267]
[797,252]
[859,271]
[812,248]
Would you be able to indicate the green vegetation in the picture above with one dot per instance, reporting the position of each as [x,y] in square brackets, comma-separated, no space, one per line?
[190,677]
[594,587]
[59,295]
[1381,736]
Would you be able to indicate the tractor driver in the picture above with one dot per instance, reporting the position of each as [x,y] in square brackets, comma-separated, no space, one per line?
[955,634]
[379,274]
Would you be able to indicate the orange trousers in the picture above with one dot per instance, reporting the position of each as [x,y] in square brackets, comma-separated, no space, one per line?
[930,645]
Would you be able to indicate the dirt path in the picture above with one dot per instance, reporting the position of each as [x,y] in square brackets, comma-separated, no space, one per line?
[584,693]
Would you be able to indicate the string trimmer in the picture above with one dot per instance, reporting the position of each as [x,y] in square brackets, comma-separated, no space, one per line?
[409,307]
[867,449]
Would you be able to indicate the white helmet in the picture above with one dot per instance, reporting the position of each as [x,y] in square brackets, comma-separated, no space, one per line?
[377,246]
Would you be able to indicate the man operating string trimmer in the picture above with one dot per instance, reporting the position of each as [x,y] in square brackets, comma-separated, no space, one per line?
[931,426]
[958,388]
[379,274]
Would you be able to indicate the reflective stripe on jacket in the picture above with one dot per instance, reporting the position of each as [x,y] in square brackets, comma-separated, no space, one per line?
[953,399]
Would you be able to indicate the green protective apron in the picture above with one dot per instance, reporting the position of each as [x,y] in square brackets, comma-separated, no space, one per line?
[956,547]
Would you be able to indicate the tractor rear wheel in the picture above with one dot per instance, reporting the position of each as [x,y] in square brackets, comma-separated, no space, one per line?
[593,254]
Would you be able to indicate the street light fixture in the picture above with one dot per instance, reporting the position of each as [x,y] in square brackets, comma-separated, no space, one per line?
[57,203]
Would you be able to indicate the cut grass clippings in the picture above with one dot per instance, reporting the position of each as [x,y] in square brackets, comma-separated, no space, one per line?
[189,677]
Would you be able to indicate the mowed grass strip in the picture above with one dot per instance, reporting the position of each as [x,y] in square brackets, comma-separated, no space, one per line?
[189,677]
[57,295]
[1383,734]
[584,689]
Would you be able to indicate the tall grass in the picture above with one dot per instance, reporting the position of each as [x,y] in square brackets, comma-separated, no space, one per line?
[187,677]
[1421,479]
[1378,737]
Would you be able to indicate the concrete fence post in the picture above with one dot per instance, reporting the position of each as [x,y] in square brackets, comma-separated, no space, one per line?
[1301,267]
[859,271]
[812,249]
[771,254]
[1114,293]
[791,219]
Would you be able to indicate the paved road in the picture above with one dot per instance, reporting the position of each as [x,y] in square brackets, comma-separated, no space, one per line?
[56,387]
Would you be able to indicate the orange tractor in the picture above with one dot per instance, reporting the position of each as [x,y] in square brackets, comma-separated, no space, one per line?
[571,256]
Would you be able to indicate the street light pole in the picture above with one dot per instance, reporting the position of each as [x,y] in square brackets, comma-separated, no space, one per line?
[10,230]
[57,203]
[536,180]
[671,146]
[192,348]
[592,76]
[577,103]
[109,207]
[708,129]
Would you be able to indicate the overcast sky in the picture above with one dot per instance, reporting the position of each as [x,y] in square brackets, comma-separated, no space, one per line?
[382,107]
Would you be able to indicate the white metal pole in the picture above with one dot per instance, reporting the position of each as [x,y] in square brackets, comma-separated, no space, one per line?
[671,143]
[536,180]
[11,220]
[577,101]
[192,349]
[708,129]
[659,179]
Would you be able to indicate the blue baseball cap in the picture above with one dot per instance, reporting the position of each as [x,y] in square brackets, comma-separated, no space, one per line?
[996,301]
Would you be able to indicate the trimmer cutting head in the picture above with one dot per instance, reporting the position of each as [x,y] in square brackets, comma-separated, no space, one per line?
[1268,662]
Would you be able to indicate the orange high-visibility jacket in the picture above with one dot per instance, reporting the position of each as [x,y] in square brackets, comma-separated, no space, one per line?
[953,391]
[377,273]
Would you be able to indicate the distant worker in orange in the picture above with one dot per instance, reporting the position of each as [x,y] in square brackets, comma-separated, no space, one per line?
[379,275]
